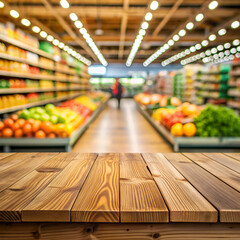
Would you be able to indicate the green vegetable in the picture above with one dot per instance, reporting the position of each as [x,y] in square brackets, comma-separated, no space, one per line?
[217,121]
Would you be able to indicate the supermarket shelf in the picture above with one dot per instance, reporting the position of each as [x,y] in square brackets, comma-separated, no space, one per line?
[190,142]
[39,103]
[211,89]
[210,97]
[25,46]
[236,94]
[64,143]
[235,73]
[231,105]
[213,81]
[214,73]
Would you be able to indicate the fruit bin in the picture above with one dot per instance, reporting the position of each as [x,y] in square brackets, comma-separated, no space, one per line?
[189,142]
[64,144]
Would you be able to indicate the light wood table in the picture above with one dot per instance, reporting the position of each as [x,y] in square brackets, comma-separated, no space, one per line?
[119,196]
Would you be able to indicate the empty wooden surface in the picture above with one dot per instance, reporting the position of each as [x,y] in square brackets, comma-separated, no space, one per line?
[119,188]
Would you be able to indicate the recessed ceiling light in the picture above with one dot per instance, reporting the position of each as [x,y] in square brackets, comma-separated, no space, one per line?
[50,38]
[222,32]
[43,34]
[170,42]
[198,46]
[227,45]
[189,26]
[199,17]
[14,13]
[235,24]
[204,43]
[61,45]
[73,17]
[192,49]
[83,30]
[154,5]
[182,33]
[36,29]
[1,4]
[227,52]
[187,51]
[166,46]
[220,47]
[142,32]
[208,53]
[26,22]
[236,42]
[233,50]
[145,25]
[55,42]
[148,16]
[213,50]
[212,37]
[78,24]
[212,5]
[176,38]
[64,4]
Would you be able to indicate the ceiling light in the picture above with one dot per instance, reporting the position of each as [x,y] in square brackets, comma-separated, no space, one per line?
[187,51]
[142,32]
[64,4]
[213,50]
[43,34]
[208,53]
[154,5]
[1,4]
[148,16]
[66,48]
[189,26]
[145,25]
[227,52]
[61,45]
[233,50]
[170,42]
[227,45]
[221,54]
[182,33]
[73,17]
[166,46]
[78,24]
[14,13]
[212,5]
[212,37]
[199,17]
[25,22]
[236,42]
[235,24]
[220,47]
[176,38]
[238,48]
[222,32]
[55,42]
[36,29]
[198,46]
[192,49]
[50,38]
[204,43]
[83,30]
[202,54]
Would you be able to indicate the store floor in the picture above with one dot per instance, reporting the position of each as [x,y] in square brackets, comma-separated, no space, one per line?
[124,130]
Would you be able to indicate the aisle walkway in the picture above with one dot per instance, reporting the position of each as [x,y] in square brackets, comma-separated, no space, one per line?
[123,130]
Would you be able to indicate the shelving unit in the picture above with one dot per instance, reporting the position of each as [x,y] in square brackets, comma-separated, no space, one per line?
[73,78]
[234,92]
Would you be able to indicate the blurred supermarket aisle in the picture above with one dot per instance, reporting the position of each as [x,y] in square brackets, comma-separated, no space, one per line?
[123,130]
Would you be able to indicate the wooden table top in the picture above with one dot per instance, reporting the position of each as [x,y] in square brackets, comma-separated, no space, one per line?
[112,188]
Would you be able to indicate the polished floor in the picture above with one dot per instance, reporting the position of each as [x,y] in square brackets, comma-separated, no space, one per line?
[123,131]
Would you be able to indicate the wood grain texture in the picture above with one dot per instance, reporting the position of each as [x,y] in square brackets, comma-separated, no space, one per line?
[4,155]
[140,198]
[15,198]
[225,160]
[55,201]
[19,165]
[222,196]
[185,203]
[98,200]
[234,155]
[80,231]
[222,172]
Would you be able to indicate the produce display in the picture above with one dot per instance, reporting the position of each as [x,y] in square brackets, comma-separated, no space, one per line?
[188,120]
[51,121]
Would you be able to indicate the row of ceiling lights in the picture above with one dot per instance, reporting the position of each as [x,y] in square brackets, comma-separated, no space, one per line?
[49,38]
[215,53]
[198,46]
[86,36]
[138,40]
[189,26]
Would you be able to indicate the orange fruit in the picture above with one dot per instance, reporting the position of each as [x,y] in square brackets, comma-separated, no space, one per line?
[189,129]
[51,135]
[31,121]
[27,128]
[40,134]
[21,122]
[177,130]
[7,132]
[14,117]
[47,127]
[15,126]
[1,125]
[29,135]
[18,133]
[8,123]
[36,125]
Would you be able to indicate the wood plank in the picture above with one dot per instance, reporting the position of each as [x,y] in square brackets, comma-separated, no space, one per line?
[185,203]
[4,155]
[233,155]
[140,199]
[17,166]
[14,199]
[98,201]
[225,160]
[220,171]
[55,201]
[222,196]
[77,231]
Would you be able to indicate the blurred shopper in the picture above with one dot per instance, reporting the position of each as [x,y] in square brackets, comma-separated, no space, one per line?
[118,90]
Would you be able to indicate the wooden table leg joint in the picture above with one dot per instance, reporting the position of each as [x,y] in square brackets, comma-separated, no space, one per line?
[37,234]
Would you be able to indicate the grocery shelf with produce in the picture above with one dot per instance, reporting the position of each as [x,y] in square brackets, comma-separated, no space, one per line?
[188,126]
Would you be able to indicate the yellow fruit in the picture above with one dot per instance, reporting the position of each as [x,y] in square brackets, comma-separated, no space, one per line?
[189,129]
[191,109]
[177,130]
